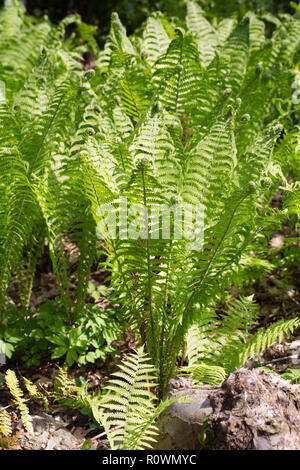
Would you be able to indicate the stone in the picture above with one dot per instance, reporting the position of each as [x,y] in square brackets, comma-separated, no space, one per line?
[256,410]
[49,434]
[182,422]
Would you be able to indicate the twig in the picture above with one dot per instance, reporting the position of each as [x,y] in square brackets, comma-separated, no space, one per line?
[102,434]
[293,356]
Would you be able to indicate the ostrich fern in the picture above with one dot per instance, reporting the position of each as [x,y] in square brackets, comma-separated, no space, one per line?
[165,288]
[216,346]
[44,95]
[128,409]
[165,119]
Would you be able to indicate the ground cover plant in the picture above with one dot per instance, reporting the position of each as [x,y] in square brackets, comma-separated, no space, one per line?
[158,163]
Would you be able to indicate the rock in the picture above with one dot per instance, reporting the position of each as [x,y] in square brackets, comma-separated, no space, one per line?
[49,434]
[256,410]
[181,423]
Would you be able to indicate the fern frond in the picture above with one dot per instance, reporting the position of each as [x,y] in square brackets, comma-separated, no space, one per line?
[263,339]
[203,373]
[35,394]
[178,73]
[19,400]
[234,57]
[155,39]
[5,423]
[256,31]
[225,28]
[128,410]
[207,38]
[226,344]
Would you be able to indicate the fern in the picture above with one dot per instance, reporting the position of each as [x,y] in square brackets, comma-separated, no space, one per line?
[216,347]
[127,408]
[8,436]
[155,39]
[172,116]
[128,411]
[207,38]
[19,400]
[38,108]
[70,394]
[35,394]
[5,423]
[220,166]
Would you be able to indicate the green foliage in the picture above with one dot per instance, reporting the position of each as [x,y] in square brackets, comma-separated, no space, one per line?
[128,410]
[182,113]
[217,345]
[207,137]
[293,375]
[126,407]
[36,337]
[69,393]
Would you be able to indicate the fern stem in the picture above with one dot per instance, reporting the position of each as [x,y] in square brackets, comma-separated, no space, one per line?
[179,77]
[148,262]
[162,362]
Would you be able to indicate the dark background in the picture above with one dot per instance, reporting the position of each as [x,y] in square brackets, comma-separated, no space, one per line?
[134,12]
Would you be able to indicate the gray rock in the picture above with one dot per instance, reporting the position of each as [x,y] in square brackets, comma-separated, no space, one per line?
[253,409]
[49,434]
[182,422]
[256,410]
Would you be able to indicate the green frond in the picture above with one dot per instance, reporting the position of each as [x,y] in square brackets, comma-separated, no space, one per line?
[133,87]
[203,373]
[224,344]
[225,28]
[35,394]
[209,168]
[256,31]
[207,38]
[128,411]
[234,57]
[118,36]
[155,40]
[263,339]
[178,76]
